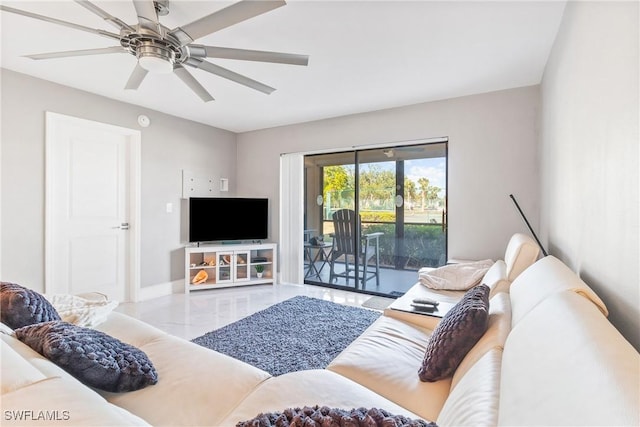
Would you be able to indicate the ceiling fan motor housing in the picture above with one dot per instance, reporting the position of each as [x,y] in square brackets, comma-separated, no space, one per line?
[147,48]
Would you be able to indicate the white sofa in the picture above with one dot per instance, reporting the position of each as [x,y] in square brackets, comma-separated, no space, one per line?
[549,357]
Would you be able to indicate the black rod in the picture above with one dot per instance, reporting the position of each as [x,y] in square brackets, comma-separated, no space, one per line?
[528,225]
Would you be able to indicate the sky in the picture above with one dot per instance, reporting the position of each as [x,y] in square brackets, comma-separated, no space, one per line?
[434,169]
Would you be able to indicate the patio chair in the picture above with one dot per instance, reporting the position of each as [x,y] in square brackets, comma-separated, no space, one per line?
[344,250]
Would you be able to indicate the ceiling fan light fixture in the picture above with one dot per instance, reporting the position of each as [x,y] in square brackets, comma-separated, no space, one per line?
[155,59]
[155,65]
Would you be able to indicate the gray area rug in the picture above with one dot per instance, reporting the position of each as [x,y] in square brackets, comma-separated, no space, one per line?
[297,334]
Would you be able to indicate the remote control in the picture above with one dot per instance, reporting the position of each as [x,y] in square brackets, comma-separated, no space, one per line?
[423,307]
[425,301]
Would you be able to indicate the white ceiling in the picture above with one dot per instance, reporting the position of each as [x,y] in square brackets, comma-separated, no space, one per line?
[364,55]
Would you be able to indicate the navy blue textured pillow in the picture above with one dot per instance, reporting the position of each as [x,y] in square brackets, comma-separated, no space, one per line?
[93,357]
[458,331]
[20,306]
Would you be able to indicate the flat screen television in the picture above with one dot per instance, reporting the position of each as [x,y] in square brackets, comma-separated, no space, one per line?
[214,219]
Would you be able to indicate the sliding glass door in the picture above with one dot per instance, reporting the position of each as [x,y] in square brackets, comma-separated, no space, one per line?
[374,217]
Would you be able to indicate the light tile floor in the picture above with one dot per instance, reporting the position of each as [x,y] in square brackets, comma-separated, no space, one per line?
[191,315]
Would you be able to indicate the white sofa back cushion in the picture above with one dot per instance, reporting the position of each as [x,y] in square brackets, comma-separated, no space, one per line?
[521,252]
[547,276]
[475,388]
[474,401]
[61,401]
[496,278]
[494,338]
[565,364]
[15,371]
[33,397]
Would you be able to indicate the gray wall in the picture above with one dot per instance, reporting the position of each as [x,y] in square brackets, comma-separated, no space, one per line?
[169,145]
[492,153]
[589,153]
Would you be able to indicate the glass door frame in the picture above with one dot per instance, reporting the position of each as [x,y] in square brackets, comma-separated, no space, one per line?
[400,252]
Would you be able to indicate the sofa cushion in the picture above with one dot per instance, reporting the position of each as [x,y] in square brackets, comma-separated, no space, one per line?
[59,401]
[547,276]
[130,329]
[521,252]
[564,363]
[92,356]
[198,386]
[15,371]
[308,388]
[475,398]
[495,337]
[385,359]
[20,306]
[496,278]
[326,416]
[459,330]
[35,396]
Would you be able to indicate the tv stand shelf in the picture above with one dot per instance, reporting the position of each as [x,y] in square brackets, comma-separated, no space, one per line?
[223,266]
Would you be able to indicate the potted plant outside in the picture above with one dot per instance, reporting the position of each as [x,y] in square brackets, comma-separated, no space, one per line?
[259,270]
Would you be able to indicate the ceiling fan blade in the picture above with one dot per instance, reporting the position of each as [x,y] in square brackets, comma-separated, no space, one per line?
[224,18]
[228,74]
[104,15]
[193,84]
[147,15]
[59,22]
[136,78]
[248,55]
[84,52]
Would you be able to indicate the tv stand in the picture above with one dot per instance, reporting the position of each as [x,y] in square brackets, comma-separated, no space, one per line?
[227,265]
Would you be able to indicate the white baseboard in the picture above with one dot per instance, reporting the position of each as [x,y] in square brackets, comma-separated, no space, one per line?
[161,289]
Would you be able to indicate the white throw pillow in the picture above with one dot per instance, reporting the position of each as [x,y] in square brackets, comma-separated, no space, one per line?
[80,311]
[458,277]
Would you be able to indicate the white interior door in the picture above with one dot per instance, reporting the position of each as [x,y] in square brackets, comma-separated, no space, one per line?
[91,207]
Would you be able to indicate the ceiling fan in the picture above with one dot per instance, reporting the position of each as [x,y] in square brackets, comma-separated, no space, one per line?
[163,50]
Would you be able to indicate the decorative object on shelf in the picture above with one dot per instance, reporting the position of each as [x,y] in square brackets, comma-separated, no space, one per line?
[212,263]
[226,260]
[200,277]
[259,270]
